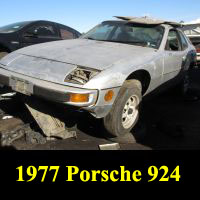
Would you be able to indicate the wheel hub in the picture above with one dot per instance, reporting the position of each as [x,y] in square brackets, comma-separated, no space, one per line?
[130,112]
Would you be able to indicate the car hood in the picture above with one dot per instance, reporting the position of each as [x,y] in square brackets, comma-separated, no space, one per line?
[93,54]
[55,60]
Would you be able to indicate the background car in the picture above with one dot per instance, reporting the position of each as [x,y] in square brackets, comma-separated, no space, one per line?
[22,34]
[193,33]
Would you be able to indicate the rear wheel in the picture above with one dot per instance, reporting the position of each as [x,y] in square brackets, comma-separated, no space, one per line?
[3,53]
[125,111]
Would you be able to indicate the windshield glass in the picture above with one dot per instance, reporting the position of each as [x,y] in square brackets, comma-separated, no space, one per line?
[121,32]
[13,27]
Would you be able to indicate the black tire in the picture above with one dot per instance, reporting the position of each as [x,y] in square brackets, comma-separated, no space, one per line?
[182,87]
[3,54]
[113,122]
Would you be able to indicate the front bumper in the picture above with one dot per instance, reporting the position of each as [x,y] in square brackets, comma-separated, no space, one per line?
[59,93]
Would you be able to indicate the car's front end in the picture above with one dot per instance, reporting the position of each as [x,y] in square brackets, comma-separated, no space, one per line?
[98,102]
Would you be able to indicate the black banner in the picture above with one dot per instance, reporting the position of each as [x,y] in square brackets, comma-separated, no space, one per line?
[99,167]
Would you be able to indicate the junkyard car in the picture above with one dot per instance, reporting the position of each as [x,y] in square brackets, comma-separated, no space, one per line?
[192,31]
[107,71]
[22,34]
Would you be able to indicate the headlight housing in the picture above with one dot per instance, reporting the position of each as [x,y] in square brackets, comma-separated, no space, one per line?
[81,75]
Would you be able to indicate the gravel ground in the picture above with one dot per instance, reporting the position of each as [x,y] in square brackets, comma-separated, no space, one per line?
[170,122]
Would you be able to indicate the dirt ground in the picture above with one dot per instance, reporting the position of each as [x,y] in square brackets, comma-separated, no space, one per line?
[169,122]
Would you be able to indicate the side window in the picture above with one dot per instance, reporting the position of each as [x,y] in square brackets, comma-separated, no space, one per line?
[183,41]
[173,42]
[45,30]
[66,33]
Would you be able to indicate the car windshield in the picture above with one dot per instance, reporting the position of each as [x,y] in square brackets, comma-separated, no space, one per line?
[122,32]
[13,27]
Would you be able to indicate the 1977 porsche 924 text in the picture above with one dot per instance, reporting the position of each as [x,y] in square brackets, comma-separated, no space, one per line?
[106,72]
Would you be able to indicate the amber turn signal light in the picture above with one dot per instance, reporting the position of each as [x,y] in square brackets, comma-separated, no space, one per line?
[109,96]
[79,98]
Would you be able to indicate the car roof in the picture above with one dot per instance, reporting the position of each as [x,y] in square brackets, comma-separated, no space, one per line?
[32,21]
[36,21]
[148,21]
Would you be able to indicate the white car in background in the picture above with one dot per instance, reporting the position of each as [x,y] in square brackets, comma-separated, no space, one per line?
[193,33]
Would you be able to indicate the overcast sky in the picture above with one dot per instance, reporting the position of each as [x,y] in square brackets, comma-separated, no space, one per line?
[83,15]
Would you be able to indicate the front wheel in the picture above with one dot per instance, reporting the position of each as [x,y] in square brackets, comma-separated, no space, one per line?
[125,111]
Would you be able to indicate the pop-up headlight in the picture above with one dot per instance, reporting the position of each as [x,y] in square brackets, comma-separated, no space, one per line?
[81,75]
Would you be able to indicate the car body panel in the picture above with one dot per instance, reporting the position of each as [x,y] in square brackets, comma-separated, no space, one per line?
[172,64]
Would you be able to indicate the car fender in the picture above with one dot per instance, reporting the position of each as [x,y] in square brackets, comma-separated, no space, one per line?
[116,75]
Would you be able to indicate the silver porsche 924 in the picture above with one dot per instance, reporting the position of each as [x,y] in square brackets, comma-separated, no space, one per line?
[106,72]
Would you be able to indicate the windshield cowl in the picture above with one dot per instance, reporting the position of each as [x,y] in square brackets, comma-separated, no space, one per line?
[135,43]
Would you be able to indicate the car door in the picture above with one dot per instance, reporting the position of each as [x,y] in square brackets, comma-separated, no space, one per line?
[174,56]
[39,33]
[189,55]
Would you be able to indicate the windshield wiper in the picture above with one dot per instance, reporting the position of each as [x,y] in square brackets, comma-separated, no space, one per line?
[125,42]
[90,38]
[133,42]
[139,43]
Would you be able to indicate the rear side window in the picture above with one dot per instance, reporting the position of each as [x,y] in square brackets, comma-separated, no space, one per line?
[173,42]
[183,41]
[45,30]
[66,33]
